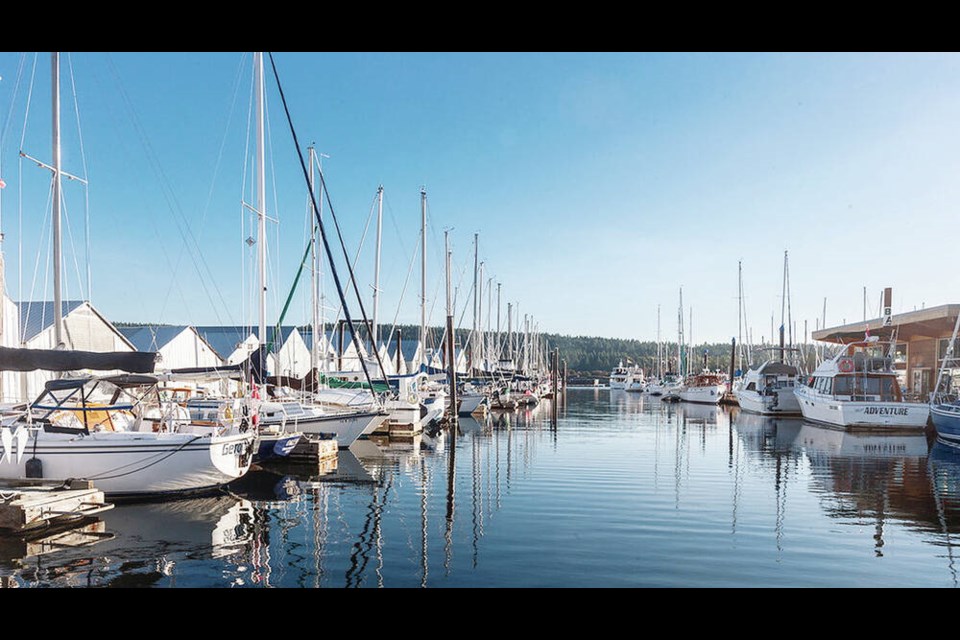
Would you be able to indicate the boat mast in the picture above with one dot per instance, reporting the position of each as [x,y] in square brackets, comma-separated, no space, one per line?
[498,347]
[261,218]
[57,302]
[375,333]
[423,276]
[659,354]
[481,336]
[680,335]
[473,335]
[451,344]
[740,313]
[311,154]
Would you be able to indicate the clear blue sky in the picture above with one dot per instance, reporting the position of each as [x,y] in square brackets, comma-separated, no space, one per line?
[600,183]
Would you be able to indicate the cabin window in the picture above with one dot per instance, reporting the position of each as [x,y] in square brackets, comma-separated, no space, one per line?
[843,386]
[752,387]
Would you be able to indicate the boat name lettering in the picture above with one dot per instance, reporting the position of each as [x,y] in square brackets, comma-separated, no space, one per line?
[885,411]
[233,448]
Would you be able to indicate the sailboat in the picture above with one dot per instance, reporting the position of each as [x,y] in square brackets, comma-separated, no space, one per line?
[945,401]
[116,430]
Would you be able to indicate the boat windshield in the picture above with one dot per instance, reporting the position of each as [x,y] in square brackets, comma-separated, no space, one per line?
[869,387]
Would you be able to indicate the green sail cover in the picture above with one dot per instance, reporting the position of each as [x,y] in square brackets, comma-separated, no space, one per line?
[337,383]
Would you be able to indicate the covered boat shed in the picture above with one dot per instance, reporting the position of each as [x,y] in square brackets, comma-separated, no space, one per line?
[921,339]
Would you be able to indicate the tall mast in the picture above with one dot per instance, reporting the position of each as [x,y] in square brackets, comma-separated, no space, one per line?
[740,314]
[260,202]
[473,336]
[510,331]
[423,275]
[375,333]
[57,302]
[319,263]
[451,344]
[497,344]
[479,321]
[659,354]
[314,320]
[680,335]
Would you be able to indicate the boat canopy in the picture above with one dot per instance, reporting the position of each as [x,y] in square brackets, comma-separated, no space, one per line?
[777,368]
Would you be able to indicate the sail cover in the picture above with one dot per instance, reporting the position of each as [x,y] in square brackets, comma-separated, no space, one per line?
[12,359]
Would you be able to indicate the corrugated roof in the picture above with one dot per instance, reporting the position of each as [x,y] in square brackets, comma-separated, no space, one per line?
[35,316]
[151,337]
[224,340]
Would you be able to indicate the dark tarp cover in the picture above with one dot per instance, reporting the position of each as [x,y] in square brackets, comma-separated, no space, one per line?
[12,359]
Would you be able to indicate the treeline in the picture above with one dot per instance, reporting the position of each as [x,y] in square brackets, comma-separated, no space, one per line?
[597,356]
[584,355]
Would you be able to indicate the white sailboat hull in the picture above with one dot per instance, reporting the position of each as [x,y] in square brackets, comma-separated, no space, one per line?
[828,410]
[135,463]
[344,427]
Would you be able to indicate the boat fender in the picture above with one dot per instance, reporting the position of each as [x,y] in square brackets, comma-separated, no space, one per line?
[34,468]
[228,413]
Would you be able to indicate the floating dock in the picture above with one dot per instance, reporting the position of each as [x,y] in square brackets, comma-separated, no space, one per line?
[313,452]
[28,505]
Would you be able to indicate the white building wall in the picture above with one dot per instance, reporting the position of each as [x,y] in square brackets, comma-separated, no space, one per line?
[293,359]
[9,337]
[187,350]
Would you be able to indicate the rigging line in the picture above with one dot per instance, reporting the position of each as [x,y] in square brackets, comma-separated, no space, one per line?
[66,220]
[9,119]
[356,257]
[36,267]
[316,212]
[406,281]
[182,224]
[23,134]
[86,190]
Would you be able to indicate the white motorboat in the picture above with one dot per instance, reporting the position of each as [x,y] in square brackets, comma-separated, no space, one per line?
[705,388]
[768,390]
[859,387]
[621,376]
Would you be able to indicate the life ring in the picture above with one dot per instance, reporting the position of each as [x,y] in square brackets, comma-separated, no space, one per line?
[845,365]
[412,398]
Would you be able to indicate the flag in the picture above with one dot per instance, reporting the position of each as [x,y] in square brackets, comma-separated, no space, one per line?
[866,333]
[256,408]
[2,183]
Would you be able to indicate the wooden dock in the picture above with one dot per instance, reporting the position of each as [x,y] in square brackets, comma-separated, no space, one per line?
[30,504]
[314,452]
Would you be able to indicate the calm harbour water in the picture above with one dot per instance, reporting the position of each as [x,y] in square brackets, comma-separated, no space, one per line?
[625,491]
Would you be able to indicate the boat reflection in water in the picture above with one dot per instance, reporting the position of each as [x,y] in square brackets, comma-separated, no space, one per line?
[206,540]
[863,475]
